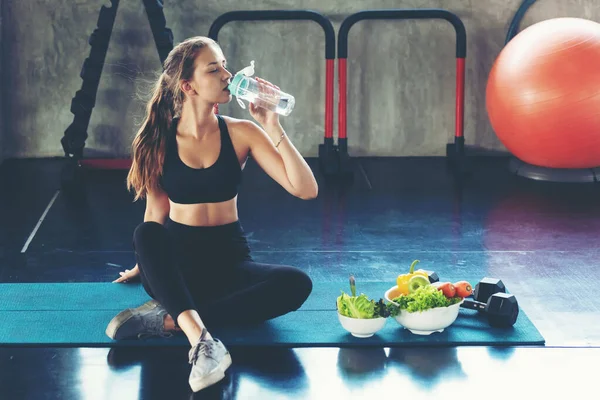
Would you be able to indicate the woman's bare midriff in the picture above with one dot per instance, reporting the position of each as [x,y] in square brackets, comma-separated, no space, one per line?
[206,214]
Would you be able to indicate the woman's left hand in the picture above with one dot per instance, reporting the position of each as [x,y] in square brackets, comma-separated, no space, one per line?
[263,116]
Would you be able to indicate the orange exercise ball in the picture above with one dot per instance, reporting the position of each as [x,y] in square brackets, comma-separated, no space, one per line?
[543,94]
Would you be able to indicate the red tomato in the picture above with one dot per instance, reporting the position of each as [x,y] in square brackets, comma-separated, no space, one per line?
[463,289]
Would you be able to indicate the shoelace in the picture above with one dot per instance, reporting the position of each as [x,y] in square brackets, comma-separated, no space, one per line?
[202,347]
[154,327]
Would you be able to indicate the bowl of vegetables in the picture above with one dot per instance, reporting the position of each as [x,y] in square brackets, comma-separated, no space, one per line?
[425,311]
[425,308]
[359,315]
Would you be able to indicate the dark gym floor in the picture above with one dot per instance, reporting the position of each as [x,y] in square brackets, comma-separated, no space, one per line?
[541,239]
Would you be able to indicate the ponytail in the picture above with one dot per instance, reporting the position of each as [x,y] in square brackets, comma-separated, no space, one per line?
[149,145]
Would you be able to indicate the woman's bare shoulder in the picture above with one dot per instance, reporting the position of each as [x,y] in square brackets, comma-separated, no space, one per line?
[241,128]
[241,132]
[238,124]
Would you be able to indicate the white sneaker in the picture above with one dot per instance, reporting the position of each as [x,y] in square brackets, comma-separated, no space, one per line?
[143,321]
[210,359]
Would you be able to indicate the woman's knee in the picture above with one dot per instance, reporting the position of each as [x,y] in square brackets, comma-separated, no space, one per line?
[149,233]
[305,283]
[298,283]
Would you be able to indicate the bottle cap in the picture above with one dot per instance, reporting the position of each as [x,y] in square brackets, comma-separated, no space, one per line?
[240,82]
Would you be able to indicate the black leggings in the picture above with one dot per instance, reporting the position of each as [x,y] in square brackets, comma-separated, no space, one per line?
[210,270]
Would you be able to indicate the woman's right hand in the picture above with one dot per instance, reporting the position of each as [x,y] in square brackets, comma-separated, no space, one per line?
[128,275]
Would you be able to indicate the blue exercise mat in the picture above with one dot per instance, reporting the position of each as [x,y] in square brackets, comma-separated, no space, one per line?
[76,315]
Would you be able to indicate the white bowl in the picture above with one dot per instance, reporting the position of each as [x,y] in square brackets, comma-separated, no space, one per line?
[426,322]
[362,328]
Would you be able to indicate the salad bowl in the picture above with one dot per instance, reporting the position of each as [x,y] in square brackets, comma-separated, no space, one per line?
[427,321]
[361,327]
[360,315]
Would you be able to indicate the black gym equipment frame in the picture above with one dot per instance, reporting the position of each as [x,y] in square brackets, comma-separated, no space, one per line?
[455,152]
[73,141]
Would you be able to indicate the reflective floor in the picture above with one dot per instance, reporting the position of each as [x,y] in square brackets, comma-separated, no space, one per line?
[539,238]
[420,373]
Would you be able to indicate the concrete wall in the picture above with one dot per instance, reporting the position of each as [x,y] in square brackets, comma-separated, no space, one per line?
[400,74]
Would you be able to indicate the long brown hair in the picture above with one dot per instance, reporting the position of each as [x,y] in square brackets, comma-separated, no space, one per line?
[148,148]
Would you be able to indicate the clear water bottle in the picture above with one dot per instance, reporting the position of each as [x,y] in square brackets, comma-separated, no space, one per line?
[243,87]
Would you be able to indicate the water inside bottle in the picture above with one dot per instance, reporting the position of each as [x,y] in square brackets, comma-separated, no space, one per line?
[284,106]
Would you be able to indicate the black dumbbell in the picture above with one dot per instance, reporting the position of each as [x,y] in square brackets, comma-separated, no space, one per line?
[486,288]
[490,297]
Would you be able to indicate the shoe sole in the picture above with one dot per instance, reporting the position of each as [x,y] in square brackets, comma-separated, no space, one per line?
[124,316]
[215,376]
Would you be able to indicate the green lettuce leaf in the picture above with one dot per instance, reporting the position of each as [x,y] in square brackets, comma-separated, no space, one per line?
[424,298]
[360,307]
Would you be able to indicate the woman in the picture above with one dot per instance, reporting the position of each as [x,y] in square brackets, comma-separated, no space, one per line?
[191,252]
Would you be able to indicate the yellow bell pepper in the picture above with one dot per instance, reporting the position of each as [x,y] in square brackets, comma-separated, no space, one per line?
[402,280]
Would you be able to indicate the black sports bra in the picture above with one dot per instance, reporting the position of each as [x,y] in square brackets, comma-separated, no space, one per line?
[214,184]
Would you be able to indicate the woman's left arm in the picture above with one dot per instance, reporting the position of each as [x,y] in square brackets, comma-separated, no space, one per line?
[282,163]
[275,153]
